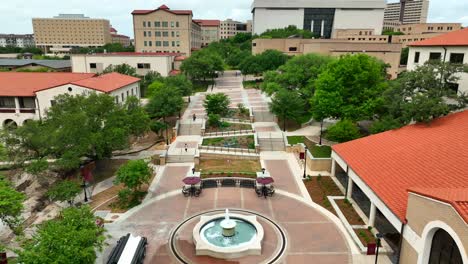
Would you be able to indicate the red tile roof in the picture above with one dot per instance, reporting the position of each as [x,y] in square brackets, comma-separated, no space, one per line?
[457,197]
[165,8]
[27,83]
[107,82]
[180,58]
[415,156]
[113,30]
[208,22]
[454,38]
[174,72]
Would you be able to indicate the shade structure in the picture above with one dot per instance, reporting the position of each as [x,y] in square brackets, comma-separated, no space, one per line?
[191,180]
[265,180]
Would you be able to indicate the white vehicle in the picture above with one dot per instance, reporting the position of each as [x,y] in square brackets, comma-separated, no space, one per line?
[129,250]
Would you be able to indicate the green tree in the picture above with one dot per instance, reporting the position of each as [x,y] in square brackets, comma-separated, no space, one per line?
[64,191]
[266,61]
[181,83]
[133,174]
[350,87]
[11,204]
[287,32]
[138,120]
[217,103]
[164,103]
[75,127]
[421,95]
[390,32]
[121,68]
[147,80]
[202,64]
[344,130]
[214,120]
[72,238]
[287,104]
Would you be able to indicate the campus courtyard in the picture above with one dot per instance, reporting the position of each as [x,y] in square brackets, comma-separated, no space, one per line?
[296,229]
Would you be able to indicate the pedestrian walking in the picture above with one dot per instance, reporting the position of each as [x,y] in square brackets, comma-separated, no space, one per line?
[194,117]
[186,147]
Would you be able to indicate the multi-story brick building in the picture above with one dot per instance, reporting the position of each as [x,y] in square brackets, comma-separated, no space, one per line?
[210,30]
[119,38]
[405,12]
[17,40]
[62,33]
[166,30]
[230,28]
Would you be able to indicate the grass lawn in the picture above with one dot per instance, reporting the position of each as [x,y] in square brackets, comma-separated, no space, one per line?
[232,166]
[319,188]
[201,86]
[229,127]
[317,151]
[231,142]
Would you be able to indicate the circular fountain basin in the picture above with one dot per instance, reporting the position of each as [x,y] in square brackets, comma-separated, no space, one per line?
[245,239]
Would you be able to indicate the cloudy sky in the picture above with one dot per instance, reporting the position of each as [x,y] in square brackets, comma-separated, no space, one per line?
[16,16]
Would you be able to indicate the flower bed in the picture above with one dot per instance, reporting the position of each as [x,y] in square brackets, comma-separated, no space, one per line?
[365,236]
[228,127]
[347,209]
[245,142]
[319,188]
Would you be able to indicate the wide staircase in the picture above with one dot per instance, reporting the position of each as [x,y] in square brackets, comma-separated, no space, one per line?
[263,116]
[189,129]
[179,158]
[271,141]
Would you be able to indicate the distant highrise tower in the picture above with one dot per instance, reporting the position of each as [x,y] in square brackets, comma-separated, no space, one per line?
[406,12]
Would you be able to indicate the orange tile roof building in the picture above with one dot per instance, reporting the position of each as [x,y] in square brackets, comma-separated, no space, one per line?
[27,95]
[411,183]
[450,47]
[210,30]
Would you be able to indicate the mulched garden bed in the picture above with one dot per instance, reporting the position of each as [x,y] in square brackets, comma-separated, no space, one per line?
[347,209]
[245,142]
[319,188]
[365,235]
[229,127]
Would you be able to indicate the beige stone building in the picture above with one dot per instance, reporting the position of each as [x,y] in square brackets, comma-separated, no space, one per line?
[210,30]
[65,31]
[387,52]
[166,30]
[119,38]
[230,28]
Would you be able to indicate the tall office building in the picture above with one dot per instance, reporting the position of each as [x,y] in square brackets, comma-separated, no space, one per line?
[230,28]
[166,30]
[65,31]
[405,12]
[321,17]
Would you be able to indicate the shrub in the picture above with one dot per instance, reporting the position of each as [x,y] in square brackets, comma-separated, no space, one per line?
[344,130]
[64,191]
[217,103]
[214,120]
[242,109]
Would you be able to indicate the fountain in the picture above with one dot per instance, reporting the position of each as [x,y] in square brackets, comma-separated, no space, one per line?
[228,235]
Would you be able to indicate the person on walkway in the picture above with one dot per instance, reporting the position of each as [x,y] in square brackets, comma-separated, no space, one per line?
[194,117]
[186,147]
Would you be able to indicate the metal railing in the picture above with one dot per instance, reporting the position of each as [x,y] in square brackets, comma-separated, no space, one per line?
[229,182]
[229,133]
[228,149]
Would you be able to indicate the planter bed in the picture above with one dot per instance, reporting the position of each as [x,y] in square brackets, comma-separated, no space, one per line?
[222,166]
[319,188]
[347,209]
[245,142]
[365,236]
[316,150]
[230,127]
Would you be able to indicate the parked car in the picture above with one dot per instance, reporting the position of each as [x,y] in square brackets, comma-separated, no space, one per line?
[129,250]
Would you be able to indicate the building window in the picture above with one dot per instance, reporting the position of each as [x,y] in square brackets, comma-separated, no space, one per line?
[157,24]
[177,33]
[177,23]
[117,99]
[144,33]
[444,249]
[457,58]
[172,23]
[292,48]
[128,93]
[173,43]
[172,34]
[416,57]
[149,33]
[53,102]
[143,65]
[122,95]
[7,102]
[145,43]
[150,43]
[435,55]
[157,33]
[158,44]
[92,66]
[144,23]
[166,43]
[165,34]
[178,43]
[164,23]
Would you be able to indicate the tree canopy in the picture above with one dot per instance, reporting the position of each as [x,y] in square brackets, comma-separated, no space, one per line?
[121,68]
[72,238]
[287,32]
[133,174]
[203,64]
[350,87]
[217,104]
[75,127]
[287,104]
[266,61]
[11,204]
[64,191]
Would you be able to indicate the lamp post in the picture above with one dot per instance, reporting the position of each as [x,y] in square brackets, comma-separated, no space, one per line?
[379,237]
[263,171]
[305,162]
